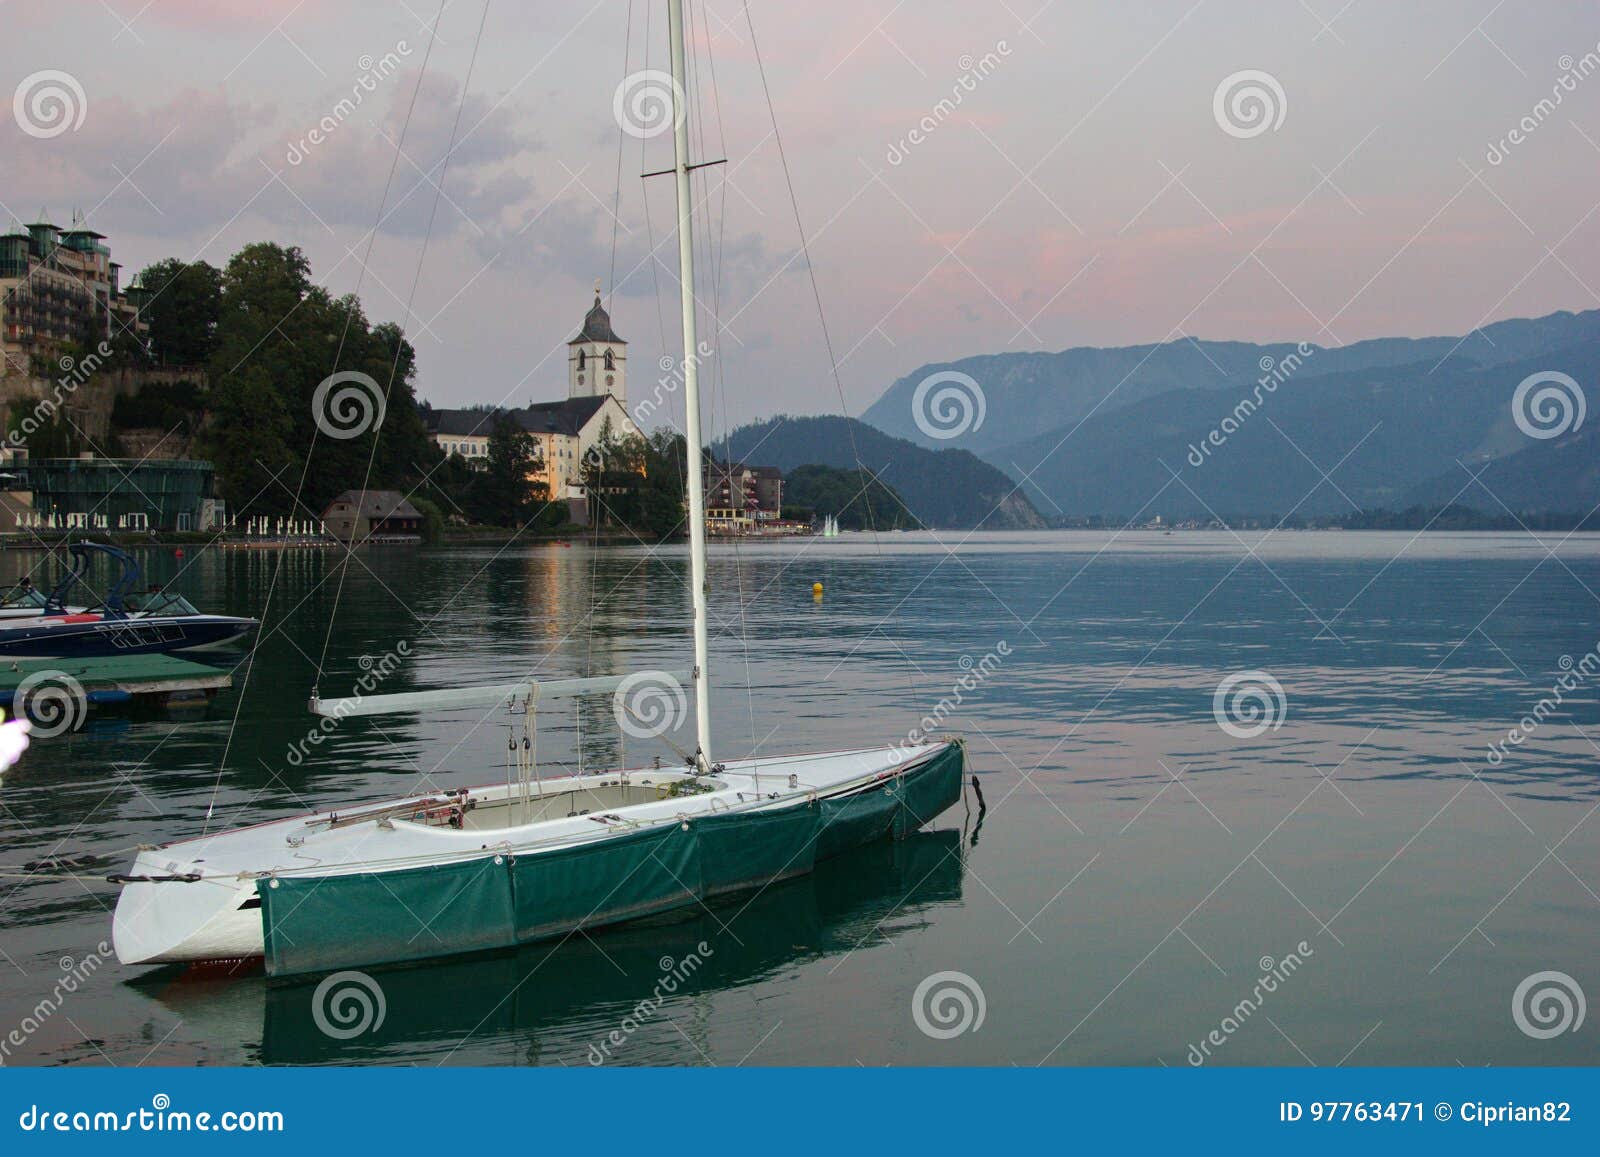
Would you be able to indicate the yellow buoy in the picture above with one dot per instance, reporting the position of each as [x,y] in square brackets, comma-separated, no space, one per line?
[816,589]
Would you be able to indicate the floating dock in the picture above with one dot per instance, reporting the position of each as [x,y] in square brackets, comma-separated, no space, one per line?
[157,679]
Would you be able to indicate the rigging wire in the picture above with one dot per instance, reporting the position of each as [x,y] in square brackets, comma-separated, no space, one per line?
[416,280]
[305,468]
[622,143]
[822,319]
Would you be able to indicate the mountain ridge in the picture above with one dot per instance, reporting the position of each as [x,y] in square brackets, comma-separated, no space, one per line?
[947,488]
[1023,394]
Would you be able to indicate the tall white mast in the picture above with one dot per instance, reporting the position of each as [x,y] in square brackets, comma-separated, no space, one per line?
[691,385]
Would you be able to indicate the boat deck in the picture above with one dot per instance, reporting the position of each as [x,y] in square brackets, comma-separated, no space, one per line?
[117,678]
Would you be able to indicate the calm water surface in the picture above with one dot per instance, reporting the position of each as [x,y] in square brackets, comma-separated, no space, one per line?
[1136,871]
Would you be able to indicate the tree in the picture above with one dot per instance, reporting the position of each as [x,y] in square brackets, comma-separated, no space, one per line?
[249,443]
[637,483]
[502,494]
[183,309]
[855,497]
[361,431]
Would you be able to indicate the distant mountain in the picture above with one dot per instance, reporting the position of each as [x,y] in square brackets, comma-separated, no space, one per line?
[944,488]
[1390,436]
[854,497]
[1025,393]
[1560,475]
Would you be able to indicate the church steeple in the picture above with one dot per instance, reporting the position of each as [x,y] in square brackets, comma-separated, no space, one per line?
[597,357]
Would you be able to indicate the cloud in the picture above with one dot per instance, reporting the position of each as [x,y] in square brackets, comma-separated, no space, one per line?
[190,165]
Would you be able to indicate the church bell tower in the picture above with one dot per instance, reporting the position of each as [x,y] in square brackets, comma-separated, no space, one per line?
[597,359]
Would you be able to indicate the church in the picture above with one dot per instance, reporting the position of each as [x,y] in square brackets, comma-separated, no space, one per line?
[596,405]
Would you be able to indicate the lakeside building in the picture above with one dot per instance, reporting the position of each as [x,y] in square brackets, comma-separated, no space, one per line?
[60,287]
[372,516]
[92,493]
[755,492]
[564,431]
[744,500]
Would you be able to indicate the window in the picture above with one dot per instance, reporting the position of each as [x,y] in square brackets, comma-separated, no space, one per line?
[582,358]
[610,364]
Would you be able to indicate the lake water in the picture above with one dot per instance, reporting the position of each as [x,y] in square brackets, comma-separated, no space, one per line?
[1358,873]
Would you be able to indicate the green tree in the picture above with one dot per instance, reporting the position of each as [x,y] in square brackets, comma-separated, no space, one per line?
[273,319]
[637,483]
[184,307]
[502,494]
[859,501]
[249,443]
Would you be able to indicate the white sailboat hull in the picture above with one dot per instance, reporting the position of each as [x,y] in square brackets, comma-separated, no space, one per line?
[164,916]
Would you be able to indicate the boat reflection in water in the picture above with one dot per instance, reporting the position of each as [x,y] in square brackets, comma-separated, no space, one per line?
[552,1003]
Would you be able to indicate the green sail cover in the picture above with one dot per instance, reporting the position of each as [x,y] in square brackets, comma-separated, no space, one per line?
[316,924]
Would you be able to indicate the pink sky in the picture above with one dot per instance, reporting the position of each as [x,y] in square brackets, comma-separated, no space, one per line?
[1083,192]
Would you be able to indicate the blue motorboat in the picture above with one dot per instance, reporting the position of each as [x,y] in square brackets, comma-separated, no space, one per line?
[153,623]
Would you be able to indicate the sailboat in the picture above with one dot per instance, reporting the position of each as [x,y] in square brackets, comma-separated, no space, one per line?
[489,867]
